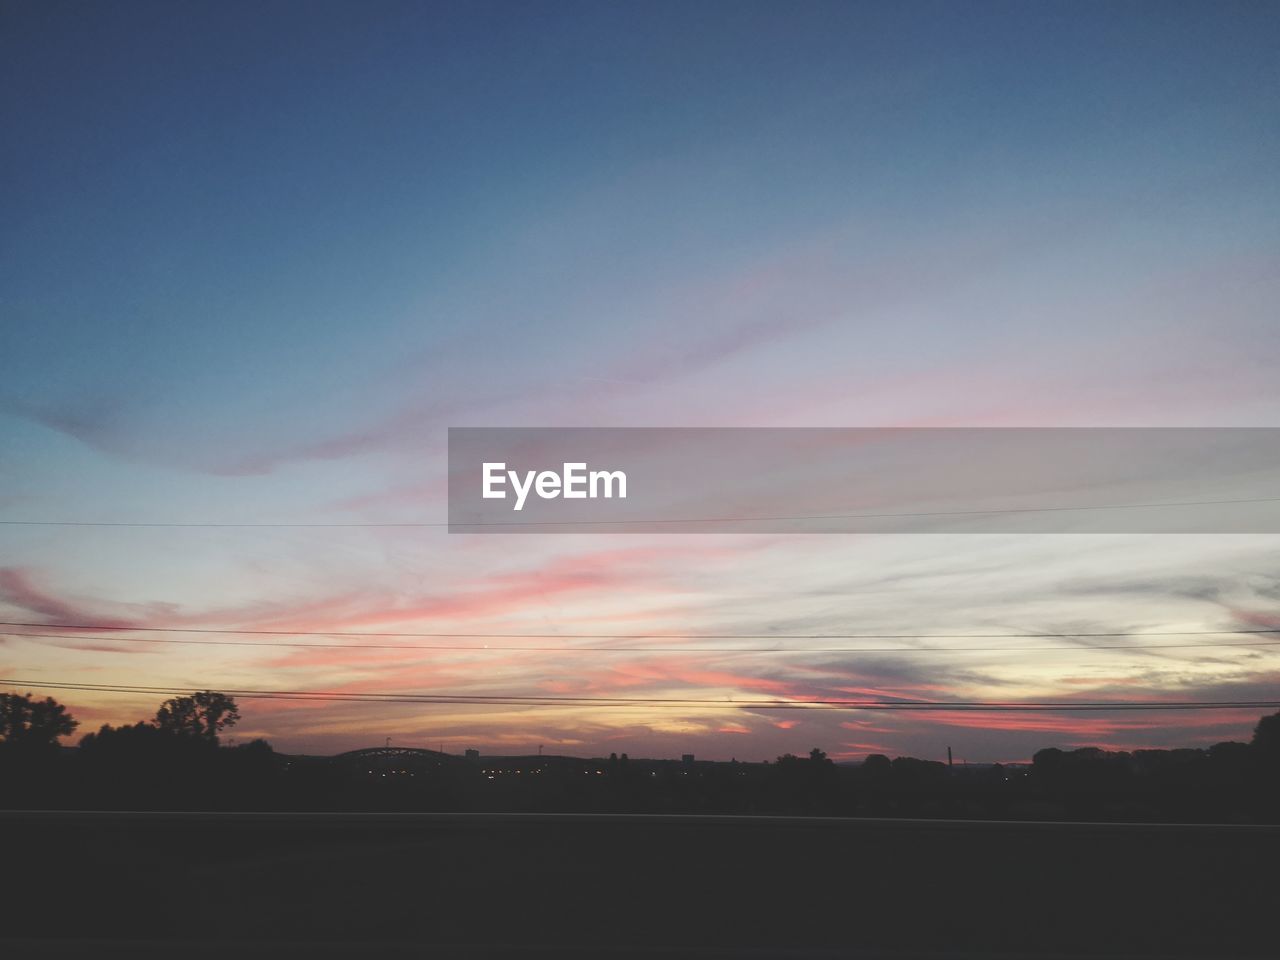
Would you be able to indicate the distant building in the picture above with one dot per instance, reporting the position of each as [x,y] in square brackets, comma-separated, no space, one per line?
[686,758]
[472,755]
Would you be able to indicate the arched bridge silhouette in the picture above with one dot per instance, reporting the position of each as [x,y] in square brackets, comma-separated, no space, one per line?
[394,753]
[397,759]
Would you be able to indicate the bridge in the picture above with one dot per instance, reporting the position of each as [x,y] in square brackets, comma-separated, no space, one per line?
[395,753]
[397,759]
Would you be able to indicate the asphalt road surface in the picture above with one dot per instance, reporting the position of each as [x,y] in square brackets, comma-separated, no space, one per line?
[462,885]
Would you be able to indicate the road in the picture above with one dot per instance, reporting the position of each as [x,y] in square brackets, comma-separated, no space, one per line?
[600,885]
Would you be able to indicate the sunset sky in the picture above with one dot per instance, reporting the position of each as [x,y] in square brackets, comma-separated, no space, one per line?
[255,259]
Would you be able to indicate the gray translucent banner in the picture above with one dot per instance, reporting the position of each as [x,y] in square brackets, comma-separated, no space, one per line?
[864,480]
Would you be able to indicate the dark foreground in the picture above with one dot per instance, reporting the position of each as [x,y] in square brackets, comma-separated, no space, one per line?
[387,884]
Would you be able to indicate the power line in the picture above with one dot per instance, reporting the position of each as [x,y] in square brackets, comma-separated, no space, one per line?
[356,525]
[642,636]
[984,706]
[509,648]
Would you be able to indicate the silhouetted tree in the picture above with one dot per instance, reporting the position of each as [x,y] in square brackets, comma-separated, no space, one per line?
[26,722]
[1050,758]
[203,715]
[877,765]
[135,740]
[1266,737]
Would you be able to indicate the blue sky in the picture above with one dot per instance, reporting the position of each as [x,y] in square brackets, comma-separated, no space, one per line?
[257,257]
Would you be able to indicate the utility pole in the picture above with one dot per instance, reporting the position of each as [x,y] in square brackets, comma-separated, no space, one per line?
[948,758]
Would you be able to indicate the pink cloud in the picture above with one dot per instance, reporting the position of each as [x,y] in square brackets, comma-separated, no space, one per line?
[17,589]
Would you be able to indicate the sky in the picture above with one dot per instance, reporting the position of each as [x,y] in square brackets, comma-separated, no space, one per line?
[255,259]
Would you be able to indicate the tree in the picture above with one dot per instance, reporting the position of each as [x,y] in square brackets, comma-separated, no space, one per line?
[1266,737]
[28,722]
[877,765]
[817,759]
[137,739]
[203,715]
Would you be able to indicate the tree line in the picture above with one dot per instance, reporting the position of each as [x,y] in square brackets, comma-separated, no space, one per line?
[30,724]
[176,760]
